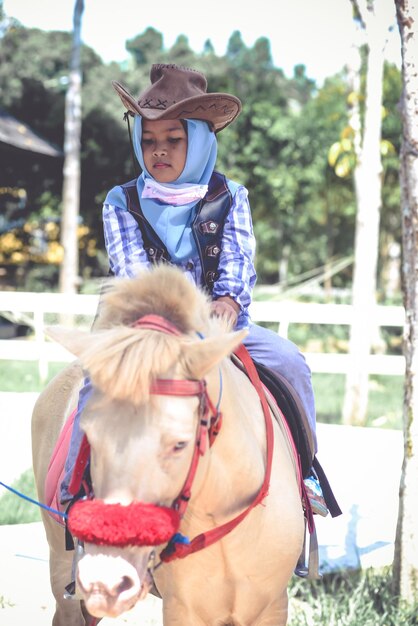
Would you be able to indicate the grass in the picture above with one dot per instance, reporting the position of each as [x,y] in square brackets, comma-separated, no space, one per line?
[5,603]
[22,376]
[385,399]
[16,510]
[350,598]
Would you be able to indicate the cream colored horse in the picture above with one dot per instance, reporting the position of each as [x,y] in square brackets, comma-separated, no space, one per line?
[142,448]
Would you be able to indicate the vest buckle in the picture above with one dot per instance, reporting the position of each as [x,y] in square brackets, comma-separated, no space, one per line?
[211,277]
[212,251]
[209,228]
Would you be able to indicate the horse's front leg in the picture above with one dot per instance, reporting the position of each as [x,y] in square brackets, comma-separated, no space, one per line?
[67,611]
[255,611]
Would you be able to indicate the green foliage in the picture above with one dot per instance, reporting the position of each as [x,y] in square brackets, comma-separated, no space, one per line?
[4,603]
[384,406]
[278,147]
[23,376]
[146,47]
[16,510]
[351,598]
[385,397]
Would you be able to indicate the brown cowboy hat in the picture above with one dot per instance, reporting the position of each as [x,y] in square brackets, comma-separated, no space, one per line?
[180,93]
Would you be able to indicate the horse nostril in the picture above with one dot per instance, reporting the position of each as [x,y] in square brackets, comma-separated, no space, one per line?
[125,584]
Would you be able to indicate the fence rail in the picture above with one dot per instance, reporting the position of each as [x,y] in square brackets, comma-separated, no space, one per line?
[33,307]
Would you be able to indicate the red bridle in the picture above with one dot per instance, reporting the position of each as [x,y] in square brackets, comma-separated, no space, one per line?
[97,522]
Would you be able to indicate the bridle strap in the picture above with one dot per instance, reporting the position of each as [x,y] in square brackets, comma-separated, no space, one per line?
[156,322]
[178,387]
[205,429]
[183,388]
[165,387]
[181,550]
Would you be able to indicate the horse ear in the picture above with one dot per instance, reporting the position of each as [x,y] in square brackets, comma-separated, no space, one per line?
[202,356]
[73,340]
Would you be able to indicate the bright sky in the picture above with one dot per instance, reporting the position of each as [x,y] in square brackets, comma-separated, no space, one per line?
[316,33]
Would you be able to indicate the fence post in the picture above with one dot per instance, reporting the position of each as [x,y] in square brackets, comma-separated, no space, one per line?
[283,327]
[39,328]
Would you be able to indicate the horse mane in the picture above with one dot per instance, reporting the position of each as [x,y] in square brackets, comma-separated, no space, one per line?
[123,361]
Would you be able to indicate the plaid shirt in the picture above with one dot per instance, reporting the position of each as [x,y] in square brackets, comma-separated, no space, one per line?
[237,276]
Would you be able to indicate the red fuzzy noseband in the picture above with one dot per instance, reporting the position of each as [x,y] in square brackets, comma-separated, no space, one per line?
[136,524]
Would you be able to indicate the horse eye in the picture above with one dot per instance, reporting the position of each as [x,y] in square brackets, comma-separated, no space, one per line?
[180,445]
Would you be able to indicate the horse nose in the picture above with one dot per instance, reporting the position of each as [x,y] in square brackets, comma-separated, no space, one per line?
[125,585]
[106,592]
[114,589]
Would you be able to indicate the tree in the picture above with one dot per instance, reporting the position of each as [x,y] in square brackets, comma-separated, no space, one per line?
[303,212]
[370,15]
[145,47]
[235,46]
[71,171]
[181,53]
[406,548]
[208,48]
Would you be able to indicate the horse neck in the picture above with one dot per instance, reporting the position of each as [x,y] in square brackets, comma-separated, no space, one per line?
[236,462]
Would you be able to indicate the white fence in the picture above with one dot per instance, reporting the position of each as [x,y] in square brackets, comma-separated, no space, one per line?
[33,307]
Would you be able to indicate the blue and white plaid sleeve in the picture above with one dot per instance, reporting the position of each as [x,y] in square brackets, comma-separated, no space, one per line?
[124,243]
[237,275]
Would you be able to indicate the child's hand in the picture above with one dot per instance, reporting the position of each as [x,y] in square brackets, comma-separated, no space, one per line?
[225,307]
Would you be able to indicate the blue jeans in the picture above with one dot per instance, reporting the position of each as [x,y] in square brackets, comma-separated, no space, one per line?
[283,356]
[266,347]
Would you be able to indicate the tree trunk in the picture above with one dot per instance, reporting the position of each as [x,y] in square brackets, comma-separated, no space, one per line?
[367,181]
[406,549]
[71,187]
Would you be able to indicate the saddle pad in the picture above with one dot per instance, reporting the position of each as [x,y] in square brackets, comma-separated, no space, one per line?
[55,473]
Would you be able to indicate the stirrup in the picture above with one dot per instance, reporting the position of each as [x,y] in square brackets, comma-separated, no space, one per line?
[310,571]
[70,589]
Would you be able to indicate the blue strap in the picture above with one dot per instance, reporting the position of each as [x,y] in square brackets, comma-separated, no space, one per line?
[32,501]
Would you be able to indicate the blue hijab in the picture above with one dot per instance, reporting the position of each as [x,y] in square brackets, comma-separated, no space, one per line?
[173,223]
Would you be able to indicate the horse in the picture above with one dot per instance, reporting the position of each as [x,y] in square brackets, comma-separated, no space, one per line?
[156,359]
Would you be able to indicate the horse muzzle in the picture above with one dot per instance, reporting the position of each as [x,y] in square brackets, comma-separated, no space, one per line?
[111,585]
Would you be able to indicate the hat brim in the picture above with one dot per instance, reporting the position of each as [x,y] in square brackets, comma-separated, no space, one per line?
[218,109]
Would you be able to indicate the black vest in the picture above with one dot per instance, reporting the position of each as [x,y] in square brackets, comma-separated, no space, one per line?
[207,227]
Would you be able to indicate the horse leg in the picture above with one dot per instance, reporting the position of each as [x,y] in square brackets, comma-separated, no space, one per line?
[281,612]
[67,611]
[262,610]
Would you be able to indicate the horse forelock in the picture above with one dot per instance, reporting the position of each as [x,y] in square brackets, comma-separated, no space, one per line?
[124,361]
[163,291]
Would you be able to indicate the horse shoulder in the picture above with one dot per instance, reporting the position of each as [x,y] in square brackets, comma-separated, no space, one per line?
[50,412]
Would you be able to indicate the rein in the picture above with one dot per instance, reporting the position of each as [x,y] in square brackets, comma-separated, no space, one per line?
[83,514]
[179,550]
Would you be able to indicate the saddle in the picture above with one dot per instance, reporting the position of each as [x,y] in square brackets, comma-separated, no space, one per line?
[295,416]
